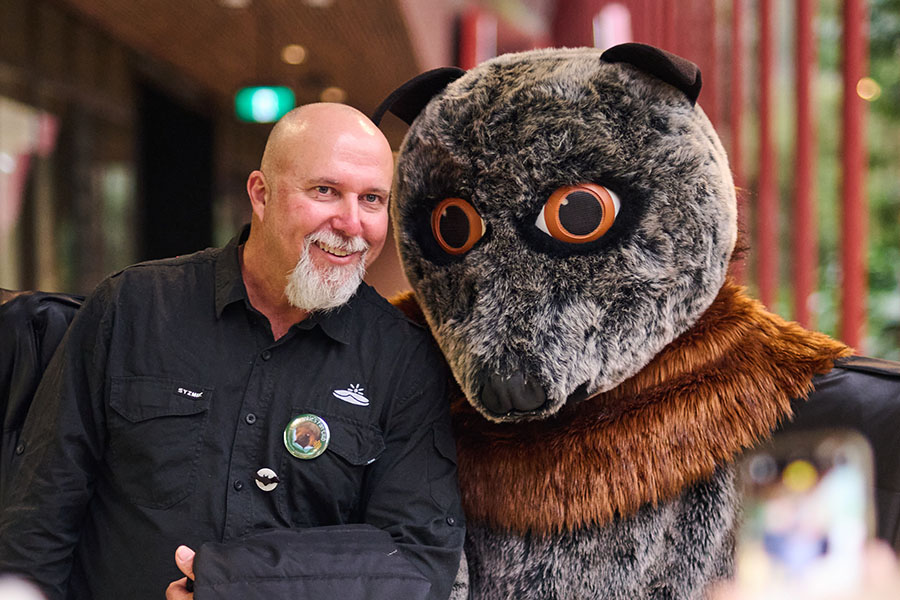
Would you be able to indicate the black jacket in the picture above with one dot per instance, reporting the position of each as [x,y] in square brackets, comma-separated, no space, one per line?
[31,326]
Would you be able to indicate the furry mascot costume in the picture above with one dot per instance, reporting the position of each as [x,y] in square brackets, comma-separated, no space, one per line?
[566,219]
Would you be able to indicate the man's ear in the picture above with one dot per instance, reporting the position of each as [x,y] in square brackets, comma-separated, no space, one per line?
[258,192]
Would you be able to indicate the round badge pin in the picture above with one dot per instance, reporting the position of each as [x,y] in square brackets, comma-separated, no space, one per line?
[266,479]
[306,436]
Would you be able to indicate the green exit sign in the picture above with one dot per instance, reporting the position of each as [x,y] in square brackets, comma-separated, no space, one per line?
[263,104]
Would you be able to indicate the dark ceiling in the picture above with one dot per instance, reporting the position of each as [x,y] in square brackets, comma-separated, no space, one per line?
[365,47]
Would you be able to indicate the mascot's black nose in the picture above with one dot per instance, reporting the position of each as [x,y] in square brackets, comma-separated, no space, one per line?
[504,394]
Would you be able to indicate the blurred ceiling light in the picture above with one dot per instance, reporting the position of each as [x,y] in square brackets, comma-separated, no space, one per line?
[319,3]
[293,54]
[868,89]
[333,94]
[235,3]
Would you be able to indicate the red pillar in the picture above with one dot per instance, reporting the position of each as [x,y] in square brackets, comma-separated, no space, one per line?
[736,124]
[669,17]
[803,224]
[711,104]
[573,22]
[659,17]
[854,222]
[477,37]
[642,21]
[766,243]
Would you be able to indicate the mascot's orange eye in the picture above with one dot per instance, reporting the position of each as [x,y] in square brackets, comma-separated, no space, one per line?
[577,214]
[456,225]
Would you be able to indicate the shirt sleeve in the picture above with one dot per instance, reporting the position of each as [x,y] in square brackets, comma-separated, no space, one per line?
[411,490]
[63,440]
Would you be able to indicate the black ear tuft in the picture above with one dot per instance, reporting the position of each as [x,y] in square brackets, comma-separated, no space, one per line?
[408,100]
[674,70]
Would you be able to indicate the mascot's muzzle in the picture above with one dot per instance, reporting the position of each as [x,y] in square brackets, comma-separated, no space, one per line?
[502,395]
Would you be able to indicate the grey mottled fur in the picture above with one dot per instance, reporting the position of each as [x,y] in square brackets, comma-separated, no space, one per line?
[504,137]
[671,552]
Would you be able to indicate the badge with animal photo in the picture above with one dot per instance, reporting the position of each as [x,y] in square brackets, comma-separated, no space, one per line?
[306,436]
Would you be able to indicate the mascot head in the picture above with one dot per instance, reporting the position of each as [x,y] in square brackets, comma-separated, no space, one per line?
[562,216]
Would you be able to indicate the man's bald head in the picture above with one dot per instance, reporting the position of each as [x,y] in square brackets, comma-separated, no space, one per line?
[311,122]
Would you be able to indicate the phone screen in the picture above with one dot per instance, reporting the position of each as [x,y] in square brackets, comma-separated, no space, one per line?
[807,515]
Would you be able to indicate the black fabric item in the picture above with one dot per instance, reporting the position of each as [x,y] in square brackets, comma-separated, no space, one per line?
[357,562]
[863,394]
[408,100]
[674,70]
[31,326]
[168,396]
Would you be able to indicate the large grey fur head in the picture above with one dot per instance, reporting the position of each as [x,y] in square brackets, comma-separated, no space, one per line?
[568,319]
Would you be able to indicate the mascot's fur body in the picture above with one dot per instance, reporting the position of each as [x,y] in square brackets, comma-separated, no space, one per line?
[609,381]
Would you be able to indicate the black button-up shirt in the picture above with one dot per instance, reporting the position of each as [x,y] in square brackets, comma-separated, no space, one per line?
[169,395]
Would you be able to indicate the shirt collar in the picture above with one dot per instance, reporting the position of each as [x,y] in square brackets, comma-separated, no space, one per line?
[337,324]
[229,283]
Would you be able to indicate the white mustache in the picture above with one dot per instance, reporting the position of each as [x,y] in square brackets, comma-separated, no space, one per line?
[338,242]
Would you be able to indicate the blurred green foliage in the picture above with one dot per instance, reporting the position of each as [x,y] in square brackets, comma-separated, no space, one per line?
[882,185]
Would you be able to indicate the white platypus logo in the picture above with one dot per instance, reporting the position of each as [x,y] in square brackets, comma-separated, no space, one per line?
[353,395]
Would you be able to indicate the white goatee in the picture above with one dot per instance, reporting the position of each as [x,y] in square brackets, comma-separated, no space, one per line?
[311,288]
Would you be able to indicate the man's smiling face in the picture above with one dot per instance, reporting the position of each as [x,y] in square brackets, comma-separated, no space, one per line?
[338,186]
[325,214]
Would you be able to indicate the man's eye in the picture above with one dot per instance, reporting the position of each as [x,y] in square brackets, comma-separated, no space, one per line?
[372,198]
[323,189]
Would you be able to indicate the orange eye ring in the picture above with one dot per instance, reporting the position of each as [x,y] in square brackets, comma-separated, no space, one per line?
[551,221]
[451,236]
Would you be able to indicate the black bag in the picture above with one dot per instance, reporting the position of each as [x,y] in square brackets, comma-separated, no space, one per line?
[341,561]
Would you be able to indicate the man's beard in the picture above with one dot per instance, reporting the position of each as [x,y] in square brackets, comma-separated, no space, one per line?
[312,289]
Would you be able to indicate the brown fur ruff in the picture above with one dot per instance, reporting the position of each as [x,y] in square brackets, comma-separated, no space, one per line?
[722,386]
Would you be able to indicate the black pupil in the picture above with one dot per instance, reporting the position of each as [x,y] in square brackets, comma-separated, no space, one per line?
[580,213]
[454,227]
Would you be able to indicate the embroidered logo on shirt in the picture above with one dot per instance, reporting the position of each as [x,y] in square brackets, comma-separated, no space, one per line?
[353,395]
[189,393]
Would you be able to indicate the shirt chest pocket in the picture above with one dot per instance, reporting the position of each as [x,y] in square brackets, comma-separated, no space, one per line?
[155,428]
[326,489]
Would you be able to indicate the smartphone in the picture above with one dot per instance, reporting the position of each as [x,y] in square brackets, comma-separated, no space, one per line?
[808,512]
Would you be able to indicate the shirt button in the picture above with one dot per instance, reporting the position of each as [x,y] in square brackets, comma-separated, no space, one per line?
[20,448]
[238,485]
[451,521]
[266,355]
[250,418]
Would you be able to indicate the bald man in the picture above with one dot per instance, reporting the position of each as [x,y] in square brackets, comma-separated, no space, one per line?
[255,389]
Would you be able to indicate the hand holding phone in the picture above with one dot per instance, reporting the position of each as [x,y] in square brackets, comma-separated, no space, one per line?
[808,516]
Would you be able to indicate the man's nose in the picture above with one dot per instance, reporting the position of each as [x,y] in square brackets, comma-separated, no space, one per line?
[347,220]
